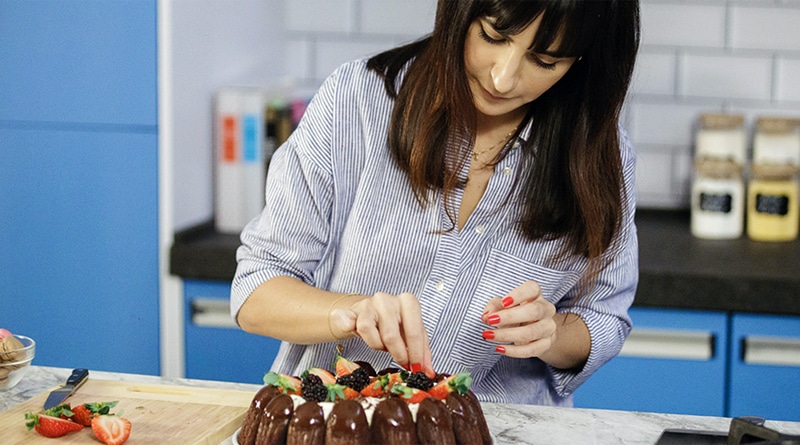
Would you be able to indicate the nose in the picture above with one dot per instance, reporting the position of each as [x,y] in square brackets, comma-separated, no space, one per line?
[505,71]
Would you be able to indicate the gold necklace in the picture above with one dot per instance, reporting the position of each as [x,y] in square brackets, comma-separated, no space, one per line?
[501,142]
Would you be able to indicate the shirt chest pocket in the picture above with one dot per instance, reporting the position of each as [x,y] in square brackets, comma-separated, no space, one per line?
[502,273]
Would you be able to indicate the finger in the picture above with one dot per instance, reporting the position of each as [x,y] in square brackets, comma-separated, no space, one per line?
[389,318]
[427,363]
[413,330]
[367,326]
[524,334]
[494,305]
[539,309]
[526,292]
[532,349]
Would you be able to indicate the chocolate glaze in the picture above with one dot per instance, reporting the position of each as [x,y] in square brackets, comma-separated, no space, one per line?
[434,424]
[275,421]
[392,423]
[464,427]
[477,414]
[347,424]
[307,426]
[247,435]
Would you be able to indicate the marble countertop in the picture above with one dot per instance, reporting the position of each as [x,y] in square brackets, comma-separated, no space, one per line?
[510,424]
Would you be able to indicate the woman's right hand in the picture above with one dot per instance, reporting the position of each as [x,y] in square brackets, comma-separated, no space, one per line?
[385,322]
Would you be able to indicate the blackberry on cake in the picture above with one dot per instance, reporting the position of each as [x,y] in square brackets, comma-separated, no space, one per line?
[420,381]
[357,379]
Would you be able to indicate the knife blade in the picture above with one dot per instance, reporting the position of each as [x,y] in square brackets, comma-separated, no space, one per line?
[74,381]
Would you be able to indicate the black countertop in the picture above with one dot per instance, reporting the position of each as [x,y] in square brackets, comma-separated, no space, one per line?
[677,270]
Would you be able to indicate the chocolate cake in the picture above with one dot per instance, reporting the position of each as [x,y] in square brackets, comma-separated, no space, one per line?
[355,405]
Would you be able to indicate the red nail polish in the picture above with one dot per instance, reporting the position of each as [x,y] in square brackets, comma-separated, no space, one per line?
[416,367]
[500,348]
[493,319]
[407,366]
[507,301]
[488,335]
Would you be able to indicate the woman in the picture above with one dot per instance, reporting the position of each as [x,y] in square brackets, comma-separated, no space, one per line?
[464,202]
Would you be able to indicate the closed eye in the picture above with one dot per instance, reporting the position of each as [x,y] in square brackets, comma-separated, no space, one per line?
[542,64]
[482,33]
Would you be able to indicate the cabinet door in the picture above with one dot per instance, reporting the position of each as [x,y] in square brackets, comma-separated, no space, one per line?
[765,367]
[86,63]
[79,255]
[217,349]
[673,362]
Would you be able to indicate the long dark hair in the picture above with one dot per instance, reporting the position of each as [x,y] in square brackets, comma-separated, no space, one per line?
[571,183]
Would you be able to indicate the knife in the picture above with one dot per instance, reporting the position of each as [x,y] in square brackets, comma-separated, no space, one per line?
[74,381]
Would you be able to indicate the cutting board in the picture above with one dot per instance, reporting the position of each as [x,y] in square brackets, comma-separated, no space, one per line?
[159,414]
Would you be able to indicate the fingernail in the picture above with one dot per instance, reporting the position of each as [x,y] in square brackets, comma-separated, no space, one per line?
[488,335]
[507,301]
[407,366]
[500,348]
[493,319]
[416,367]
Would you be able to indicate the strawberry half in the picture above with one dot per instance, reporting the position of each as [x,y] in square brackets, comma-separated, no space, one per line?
[286,383]
[455,383]
[50,426]
[323,374]
[111,429]
[337,391]
[382,385]
[344,366]
[84,413]
[409,394]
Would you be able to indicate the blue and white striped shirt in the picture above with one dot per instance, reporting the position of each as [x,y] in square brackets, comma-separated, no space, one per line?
[341,216]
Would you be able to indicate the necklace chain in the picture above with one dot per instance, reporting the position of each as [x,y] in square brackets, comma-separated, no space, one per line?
[476,154]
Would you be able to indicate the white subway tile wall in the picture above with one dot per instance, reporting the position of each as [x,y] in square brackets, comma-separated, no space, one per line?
[737,56]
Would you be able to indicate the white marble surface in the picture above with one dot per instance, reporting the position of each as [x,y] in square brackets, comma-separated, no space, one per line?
[510,424]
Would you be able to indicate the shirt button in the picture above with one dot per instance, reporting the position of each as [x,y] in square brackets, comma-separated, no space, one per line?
[507,171]
[480,229]
[440,286]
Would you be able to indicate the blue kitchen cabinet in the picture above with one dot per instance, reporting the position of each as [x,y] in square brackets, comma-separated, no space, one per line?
[765,367]
[673,362]
[79,181]
[216,349]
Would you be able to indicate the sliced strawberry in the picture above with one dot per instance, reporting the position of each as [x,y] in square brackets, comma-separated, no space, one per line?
[344,366]
[111,429]
[409,394]
[382,385]
[324,375]
[455,383]
[82,415]
[286,383]
[337,391]
[50,426]
[375,387]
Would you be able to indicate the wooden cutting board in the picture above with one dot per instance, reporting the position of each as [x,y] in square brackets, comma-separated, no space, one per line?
[159,414]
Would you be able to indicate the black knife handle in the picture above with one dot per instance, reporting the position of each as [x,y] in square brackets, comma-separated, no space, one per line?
[77,377]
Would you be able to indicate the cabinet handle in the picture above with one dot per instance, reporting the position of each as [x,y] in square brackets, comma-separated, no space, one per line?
[212,313]
[764,350]
[669,344]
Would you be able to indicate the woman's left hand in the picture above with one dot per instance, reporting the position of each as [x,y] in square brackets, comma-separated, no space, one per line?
[522,321]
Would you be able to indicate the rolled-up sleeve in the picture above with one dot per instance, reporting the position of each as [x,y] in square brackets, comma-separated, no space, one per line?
[291,234]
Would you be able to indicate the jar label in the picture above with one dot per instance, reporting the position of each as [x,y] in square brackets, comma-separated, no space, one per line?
[772,204]
[710,202]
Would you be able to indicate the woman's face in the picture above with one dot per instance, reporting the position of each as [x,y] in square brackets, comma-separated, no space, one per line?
[503,74]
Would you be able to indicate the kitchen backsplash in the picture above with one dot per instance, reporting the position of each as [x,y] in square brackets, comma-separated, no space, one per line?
[696,57]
